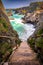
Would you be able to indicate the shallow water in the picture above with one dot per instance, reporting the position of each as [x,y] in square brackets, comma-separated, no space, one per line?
[24,30]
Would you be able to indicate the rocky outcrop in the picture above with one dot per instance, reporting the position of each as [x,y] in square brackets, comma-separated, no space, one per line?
[31,8]
[36,40]
[33,17]
[31,12]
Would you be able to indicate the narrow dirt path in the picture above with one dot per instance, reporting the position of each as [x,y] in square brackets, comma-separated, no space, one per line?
[24,54]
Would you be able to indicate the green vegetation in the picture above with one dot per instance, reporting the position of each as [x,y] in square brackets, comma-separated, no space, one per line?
[5,50]
[39,42]
[6,31]
[31,41]
[6,45]
[39,32]
[3,25]
[35,6]
[36,43]
[18,41]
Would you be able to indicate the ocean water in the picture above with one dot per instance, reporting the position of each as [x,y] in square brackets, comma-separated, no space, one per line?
[17,16]
[24,30]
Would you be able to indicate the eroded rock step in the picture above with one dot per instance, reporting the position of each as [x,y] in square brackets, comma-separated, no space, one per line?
[23,63]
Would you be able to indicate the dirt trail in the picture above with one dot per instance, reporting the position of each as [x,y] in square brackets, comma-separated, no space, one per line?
[24,54]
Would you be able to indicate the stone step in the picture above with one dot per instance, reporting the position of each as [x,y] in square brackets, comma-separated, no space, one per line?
[23,63]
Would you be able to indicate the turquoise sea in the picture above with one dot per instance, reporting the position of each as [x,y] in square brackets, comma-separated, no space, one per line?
[23,30]
[18,16]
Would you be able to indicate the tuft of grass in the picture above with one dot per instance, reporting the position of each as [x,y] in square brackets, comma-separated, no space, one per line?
[39,42]
[39,32]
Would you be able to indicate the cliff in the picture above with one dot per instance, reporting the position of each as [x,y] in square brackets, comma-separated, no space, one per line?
[36,40]
[8,37]
[31,8]
[36,6]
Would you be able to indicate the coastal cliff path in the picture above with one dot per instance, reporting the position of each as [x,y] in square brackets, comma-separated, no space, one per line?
[24,55]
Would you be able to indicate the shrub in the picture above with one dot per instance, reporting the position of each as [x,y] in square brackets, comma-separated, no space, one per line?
[5,50]
[39,42]
[31,41]
[39,32]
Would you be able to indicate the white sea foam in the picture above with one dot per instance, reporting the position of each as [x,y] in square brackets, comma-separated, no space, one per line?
[24,30]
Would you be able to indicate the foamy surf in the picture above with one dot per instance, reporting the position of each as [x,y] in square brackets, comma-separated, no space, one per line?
[24,30]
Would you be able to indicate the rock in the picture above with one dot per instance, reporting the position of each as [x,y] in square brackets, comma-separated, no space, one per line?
[38,36]
[7,35]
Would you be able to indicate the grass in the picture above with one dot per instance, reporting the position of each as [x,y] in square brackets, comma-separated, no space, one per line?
[36,44]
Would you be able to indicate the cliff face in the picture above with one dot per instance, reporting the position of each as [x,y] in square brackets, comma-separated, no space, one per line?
[3,12]
[1,5]
[4,22]
[36,6]
[8,36]
[36,40]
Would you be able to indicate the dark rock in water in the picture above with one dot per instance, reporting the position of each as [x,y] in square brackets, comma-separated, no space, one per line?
[29,21]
